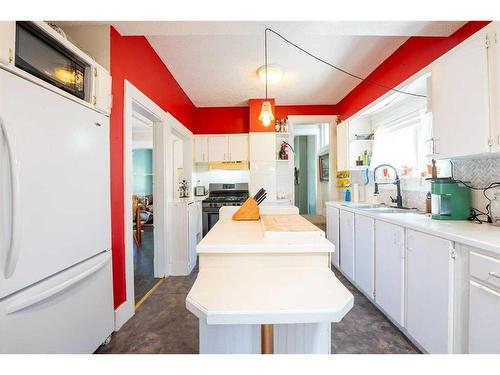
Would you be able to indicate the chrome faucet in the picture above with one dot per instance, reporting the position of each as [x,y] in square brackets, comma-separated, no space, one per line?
[397,182]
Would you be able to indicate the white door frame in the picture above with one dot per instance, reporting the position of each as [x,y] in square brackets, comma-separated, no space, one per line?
[332,120]
[136,101]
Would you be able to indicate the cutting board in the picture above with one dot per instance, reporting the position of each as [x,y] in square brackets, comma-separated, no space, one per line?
[286,226]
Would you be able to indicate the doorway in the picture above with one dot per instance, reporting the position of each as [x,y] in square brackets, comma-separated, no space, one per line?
[314,138]
[145,135]
[143,205]
[305,173]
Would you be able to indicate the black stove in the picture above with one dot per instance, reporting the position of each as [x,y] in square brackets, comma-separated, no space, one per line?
[221,195]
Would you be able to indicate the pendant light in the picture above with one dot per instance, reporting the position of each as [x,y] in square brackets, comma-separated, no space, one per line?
[266,113]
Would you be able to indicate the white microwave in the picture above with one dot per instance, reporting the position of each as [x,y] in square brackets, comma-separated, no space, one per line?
[35,51]
[44,57]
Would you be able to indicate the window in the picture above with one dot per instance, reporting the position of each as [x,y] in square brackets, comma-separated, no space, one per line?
[324,131]
[401,142]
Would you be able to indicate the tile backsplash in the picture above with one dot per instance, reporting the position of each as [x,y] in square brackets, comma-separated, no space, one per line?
[477,172]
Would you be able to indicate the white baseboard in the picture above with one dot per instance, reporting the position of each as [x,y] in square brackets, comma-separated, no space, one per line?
[123,313]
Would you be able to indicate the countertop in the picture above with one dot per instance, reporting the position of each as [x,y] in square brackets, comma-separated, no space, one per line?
[228,236]
[282,295]
[483,236]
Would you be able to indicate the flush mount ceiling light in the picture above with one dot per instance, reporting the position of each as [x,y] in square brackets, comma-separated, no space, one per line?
[274,74]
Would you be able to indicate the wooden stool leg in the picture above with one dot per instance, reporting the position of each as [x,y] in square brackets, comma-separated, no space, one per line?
[267,338]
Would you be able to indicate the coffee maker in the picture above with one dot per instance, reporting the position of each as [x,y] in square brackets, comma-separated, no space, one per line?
[451,199]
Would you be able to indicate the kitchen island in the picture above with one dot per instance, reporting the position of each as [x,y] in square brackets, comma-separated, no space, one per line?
[259,291]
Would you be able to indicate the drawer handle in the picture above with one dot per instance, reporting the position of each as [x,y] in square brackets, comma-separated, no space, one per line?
[493,274]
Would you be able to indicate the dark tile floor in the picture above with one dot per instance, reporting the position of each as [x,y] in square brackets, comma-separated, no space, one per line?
[163,325]
[144,278]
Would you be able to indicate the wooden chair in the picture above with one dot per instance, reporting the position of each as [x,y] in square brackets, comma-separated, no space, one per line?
[136,217]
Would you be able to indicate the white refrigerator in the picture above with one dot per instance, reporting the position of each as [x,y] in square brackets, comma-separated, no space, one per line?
[55,242]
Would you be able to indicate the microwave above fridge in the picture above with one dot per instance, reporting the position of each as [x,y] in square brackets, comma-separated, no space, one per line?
[45,58]
[35,51]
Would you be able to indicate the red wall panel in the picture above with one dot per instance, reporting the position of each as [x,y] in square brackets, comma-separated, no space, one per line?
[414,55]
[221,120]
[133,59]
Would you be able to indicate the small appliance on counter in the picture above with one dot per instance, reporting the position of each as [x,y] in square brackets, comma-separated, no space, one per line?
[199,191]
[451,199]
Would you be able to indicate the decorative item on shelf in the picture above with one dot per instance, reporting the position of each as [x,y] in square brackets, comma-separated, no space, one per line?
[343,179]
[250,209]
[324,167]
[364,137]
[283,152]
[183,189]
[277,127]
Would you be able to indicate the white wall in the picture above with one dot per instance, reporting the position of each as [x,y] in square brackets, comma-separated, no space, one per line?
[94,40]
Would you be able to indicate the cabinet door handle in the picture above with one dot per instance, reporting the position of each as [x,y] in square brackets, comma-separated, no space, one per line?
[493,274]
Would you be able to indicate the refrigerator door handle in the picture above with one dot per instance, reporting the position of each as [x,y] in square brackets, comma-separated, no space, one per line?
[12,254]
[31,300]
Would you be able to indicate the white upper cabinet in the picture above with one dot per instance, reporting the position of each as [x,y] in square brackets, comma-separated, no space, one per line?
[389,269]
[7,42]
[263,146]
[102,89]
[238,147]
[343,146]
[494,64]
[429,314]
[217,148]
[460,99]
[200,149]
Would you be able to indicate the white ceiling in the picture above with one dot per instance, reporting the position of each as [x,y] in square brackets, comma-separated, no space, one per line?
[216,62]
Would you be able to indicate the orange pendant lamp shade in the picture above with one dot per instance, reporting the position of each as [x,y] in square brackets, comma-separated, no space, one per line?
[266,114]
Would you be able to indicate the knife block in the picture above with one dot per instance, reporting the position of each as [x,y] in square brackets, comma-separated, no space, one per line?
[248,211]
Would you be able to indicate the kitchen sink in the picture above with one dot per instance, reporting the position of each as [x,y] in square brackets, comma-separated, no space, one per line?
[390,210]
[358,206]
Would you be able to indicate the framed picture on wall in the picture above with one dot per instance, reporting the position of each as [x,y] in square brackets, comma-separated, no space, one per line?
[324,167]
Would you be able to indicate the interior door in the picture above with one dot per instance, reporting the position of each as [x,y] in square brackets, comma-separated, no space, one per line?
[365,253]
[55,175]
[217,148]
[389,269]
[238,147]
[347,243]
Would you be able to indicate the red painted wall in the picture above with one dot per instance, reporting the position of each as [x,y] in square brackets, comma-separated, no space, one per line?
[133,59]
[227,120]
[414,55]
[221,120]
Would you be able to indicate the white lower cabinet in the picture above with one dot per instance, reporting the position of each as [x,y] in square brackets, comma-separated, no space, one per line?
[333,231]
[484,320]
[364,252]
[347,243]
[389,269]
[429,287]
